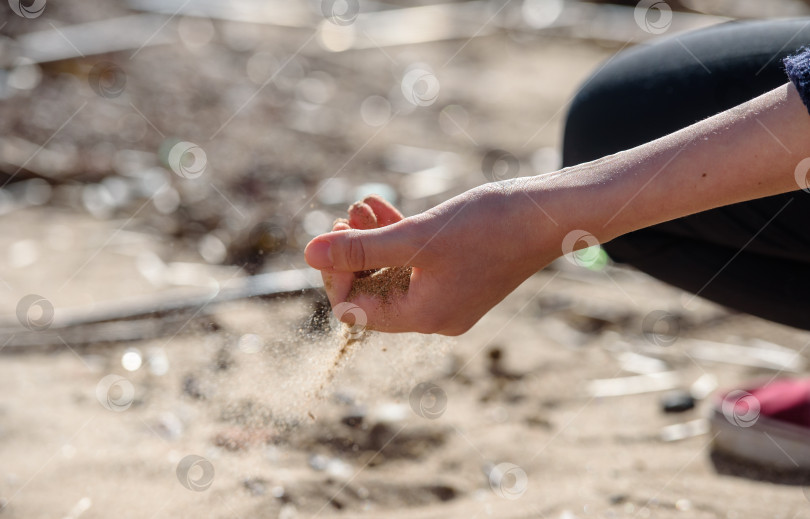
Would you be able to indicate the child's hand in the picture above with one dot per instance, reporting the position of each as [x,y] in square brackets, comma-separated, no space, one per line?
[467,255]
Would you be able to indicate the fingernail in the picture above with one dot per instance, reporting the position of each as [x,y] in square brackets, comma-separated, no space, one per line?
[317,254]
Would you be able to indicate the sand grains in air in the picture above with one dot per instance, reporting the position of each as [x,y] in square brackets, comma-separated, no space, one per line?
[385,283]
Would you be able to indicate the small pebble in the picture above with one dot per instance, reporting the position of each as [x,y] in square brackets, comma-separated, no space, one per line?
[354,418]
[318,462]
[288,511]
[256,486]
[677,401]
[339,469]
[684,505]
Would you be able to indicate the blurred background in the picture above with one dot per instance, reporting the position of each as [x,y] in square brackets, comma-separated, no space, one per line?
[165,350]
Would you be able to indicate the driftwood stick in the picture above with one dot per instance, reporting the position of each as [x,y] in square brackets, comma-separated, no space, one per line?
[147,317]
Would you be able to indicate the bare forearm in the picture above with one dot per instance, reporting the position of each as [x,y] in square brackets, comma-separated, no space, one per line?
[468,253]
[745,153]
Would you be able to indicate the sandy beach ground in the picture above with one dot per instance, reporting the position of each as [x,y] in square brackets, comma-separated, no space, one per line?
[233,411]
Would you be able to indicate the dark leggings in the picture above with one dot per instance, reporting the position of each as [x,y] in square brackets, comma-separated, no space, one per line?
[753,256]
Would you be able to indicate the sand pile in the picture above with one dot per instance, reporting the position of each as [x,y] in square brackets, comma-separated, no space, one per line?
[384,283]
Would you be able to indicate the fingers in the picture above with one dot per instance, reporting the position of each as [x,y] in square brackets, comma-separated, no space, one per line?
[361,216]
[338,284]
[353,251]
[374,211]
[385,213]
[340,254]
[341,224]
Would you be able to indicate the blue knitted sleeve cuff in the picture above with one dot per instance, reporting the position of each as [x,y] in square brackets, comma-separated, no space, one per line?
[798,70]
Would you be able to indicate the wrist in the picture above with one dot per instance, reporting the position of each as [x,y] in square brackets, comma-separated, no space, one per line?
[579,198]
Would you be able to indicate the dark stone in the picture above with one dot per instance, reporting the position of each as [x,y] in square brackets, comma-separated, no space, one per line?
[677,401]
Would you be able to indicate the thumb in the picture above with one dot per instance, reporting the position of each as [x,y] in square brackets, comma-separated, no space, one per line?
[355,250]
